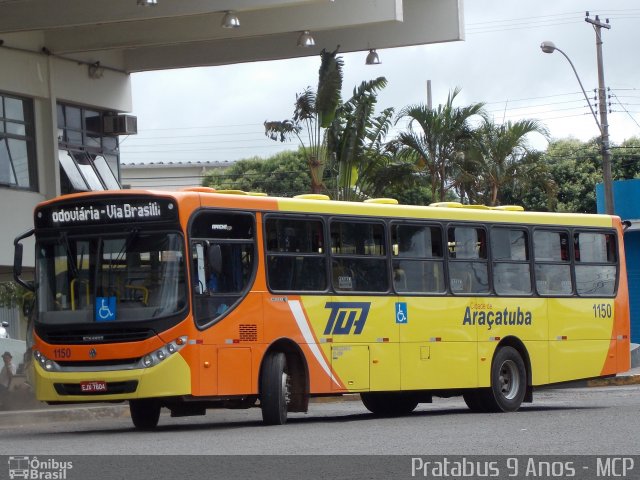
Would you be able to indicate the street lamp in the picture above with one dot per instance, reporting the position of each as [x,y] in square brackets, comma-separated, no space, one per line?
[549,47]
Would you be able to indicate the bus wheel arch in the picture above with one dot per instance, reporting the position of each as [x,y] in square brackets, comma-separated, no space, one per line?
[297,372]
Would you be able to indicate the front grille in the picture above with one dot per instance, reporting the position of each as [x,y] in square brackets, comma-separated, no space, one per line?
[113,388]
[99,363]
[248,333]
[77,337]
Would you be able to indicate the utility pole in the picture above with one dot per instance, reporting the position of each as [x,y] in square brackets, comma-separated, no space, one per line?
[604,123]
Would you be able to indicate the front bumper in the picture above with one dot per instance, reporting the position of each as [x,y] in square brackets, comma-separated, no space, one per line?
[171,377]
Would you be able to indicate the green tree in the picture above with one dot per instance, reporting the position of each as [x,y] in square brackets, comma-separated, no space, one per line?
[313,113]
[13,295]
[356,141]
[625,163]
[500,155]
[285,174]
[436,138]
[575,167]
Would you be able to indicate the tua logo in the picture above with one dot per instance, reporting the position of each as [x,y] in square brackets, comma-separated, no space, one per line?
[346,315]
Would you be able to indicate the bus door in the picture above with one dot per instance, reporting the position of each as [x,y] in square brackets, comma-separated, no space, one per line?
[229,315]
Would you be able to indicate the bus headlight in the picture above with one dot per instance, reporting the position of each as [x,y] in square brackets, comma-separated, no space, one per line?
[153,359]
[45,363]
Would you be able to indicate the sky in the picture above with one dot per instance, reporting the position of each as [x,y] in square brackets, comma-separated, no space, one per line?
[217,113]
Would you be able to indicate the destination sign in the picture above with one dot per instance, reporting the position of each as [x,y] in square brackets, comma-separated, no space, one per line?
[106,211]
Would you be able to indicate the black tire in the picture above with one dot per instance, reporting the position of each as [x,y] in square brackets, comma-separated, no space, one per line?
[274,389]
[144,413]
[388,404]
[476,400]
[508,381]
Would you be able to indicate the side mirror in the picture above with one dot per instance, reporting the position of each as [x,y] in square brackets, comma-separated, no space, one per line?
[214,257]
[17,261]
[5,324]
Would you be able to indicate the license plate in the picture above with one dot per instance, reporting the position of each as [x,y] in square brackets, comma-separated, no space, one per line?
[93,387]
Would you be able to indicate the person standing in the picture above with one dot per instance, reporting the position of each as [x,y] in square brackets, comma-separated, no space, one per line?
[7,373]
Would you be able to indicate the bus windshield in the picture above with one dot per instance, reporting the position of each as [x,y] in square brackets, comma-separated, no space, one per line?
[133,276]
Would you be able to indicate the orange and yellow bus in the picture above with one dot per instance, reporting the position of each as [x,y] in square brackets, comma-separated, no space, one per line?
[201,299]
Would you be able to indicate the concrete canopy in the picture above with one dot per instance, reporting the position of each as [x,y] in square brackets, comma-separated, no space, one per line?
[187,33]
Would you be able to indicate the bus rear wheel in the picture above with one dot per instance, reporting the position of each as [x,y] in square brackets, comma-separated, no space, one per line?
[508,381]
[476,400]
[275,389]
[508,384]
[388,404]
[145,413]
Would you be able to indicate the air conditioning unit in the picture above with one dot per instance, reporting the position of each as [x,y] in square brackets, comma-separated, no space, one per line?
[119,125]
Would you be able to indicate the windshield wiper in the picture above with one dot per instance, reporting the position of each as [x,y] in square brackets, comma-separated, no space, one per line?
[71,259]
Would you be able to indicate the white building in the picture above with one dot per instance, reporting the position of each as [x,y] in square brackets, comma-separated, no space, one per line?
[167,175]
[66,68]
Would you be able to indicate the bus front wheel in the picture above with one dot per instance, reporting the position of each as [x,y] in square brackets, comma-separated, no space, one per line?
[145,413]
[388,404]
[274,389]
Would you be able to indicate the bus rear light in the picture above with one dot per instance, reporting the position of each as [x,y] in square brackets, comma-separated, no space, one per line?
[435,339]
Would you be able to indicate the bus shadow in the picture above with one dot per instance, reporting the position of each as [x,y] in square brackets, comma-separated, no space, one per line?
[213,424]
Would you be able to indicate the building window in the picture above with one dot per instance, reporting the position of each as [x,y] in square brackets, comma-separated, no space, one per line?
[88,159]
[17,143]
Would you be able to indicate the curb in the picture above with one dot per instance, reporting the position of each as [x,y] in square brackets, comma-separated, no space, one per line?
[31,417]
[618,381]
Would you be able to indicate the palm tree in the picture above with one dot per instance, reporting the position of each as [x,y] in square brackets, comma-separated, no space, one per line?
[356,137]
[436,138]
[502,155]
[313,113]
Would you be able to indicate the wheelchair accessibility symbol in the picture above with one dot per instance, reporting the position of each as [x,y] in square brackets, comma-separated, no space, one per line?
[105,309]
[401,312]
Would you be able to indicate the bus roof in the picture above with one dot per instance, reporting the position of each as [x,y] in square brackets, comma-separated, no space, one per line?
[387,208]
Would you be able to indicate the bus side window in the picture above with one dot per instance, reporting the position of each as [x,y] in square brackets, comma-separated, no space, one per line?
[552,262]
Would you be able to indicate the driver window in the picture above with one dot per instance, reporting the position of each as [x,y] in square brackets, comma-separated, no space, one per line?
[223,262]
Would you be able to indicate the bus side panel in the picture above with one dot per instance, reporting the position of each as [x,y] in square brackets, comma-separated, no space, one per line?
[437,349]
[579,337]
[362,329]
[293,318]
[522,318]
[228,352]
[622,325]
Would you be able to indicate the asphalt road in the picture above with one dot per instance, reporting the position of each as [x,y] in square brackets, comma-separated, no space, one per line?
[599,421]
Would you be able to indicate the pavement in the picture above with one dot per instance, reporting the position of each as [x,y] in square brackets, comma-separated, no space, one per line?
[29,411]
